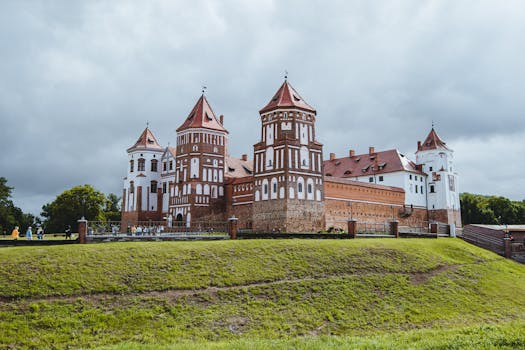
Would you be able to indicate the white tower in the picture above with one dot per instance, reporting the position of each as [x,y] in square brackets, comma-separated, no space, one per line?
[437,161]
[142,194]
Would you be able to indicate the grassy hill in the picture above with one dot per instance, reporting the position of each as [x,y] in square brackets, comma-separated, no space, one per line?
[261,294]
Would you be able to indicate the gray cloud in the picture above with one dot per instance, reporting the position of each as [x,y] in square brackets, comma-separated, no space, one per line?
[80,80]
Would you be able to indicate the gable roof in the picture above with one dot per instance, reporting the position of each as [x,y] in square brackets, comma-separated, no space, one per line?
[286,96]
[146,141]
[433,141]
[369,164]
[237,167]
[202,116]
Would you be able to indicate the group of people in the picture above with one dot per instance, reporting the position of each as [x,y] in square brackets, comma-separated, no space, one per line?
[15,234]
[140,230]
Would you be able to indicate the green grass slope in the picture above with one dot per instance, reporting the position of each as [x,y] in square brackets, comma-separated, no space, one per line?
[261,294]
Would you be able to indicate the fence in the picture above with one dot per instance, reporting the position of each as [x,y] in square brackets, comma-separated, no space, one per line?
[156,229]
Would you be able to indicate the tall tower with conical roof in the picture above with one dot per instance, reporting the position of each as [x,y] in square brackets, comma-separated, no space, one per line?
[437,161]
[198,191]
[288,180]
[142,197]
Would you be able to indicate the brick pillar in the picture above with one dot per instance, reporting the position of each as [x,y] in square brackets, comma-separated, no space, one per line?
[394,228]
[352,228]
[232,227]
[434,229]
[82,230]
[506,244]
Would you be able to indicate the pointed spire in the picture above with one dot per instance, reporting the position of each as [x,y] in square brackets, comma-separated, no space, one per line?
[433,141]
[202,116]
[286,96]
[146,141]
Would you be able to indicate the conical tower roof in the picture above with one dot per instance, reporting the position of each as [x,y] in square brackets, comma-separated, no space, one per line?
[146,141]
[286,96]
[433,141]
[202,116]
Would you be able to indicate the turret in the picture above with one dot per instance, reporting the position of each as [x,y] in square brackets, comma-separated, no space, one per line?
[437,161]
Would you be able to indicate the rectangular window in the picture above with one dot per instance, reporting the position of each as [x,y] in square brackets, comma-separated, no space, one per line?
[275,187]
[370,179]
[141,165]
[410,176]
[164,167]
[415,177]
[432,189]
[154,165]
[421,189]
[171,165]
[380,178]
[429,168]
[153,186]
[131,166]
[416,189]
[164,187]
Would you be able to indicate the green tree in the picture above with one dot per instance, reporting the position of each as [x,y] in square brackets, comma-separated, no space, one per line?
[11,215]
[71,205]
[112,207]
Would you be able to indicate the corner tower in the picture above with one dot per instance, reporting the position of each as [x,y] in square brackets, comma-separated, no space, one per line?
[437,161]
[198,191]
[288,180]
[142,196]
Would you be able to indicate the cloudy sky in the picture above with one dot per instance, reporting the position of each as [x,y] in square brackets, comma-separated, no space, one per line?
[80,79]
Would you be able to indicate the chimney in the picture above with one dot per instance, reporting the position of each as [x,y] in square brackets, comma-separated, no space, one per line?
[244,157]
[221,119]
[351,153]
[418,145]
[371,150]
[332,156]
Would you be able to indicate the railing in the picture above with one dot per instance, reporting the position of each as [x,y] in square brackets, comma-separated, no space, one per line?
[156,228]
[415,229]
[373,227]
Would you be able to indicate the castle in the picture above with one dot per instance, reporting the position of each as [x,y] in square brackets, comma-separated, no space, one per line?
[288,186]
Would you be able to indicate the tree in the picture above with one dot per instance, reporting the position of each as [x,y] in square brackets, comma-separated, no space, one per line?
[71,205]
[112,207]
[11,215]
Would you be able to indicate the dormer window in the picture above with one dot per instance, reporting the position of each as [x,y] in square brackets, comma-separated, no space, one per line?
[207,116]
[348,172]
[337,163]
[231,170]
[150,141]
[296,98]
[357,159]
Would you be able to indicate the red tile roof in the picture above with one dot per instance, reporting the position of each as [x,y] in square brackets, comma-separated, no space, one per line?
[432,142]
[146,141]
[286,96]
[237,167]
[202,116]
[369,164]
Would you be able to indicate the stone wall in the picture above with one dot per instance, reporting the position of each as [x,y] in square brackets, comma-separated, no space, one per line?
[288,215]
[446,216]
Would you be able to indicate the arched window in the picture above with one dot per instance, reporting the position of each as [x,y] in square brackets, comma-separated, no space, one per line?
[141,164]
[154,163]
[153,186]
[131,165]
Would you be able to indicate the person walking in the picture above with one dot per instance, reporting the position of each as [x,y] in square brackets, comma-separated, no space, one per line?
[15,233]
[29,233]
[68,232]
[40,233]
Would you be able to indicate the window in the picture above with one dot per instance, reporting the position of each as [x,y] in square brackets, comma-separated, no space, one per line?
[416,189]
[421,179]
[171,165]
[370,179]
[415,177]
[309,188]
[131,187]
[154,163]
[164,167]
[429,168]
[164,187]
[410,176]
[153,186]
[131,166]
[432,190]
[265,189]
[141,165]
[299,187]
[380,178]
[421,189]
[275,187]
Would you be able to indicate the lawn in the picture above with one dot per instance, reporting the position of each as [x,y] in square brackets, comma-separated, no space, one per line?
[261,294]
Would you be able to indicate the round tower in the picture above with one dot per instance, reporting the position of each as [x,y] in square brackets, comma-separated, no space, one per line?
[142,195]
[437,161]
